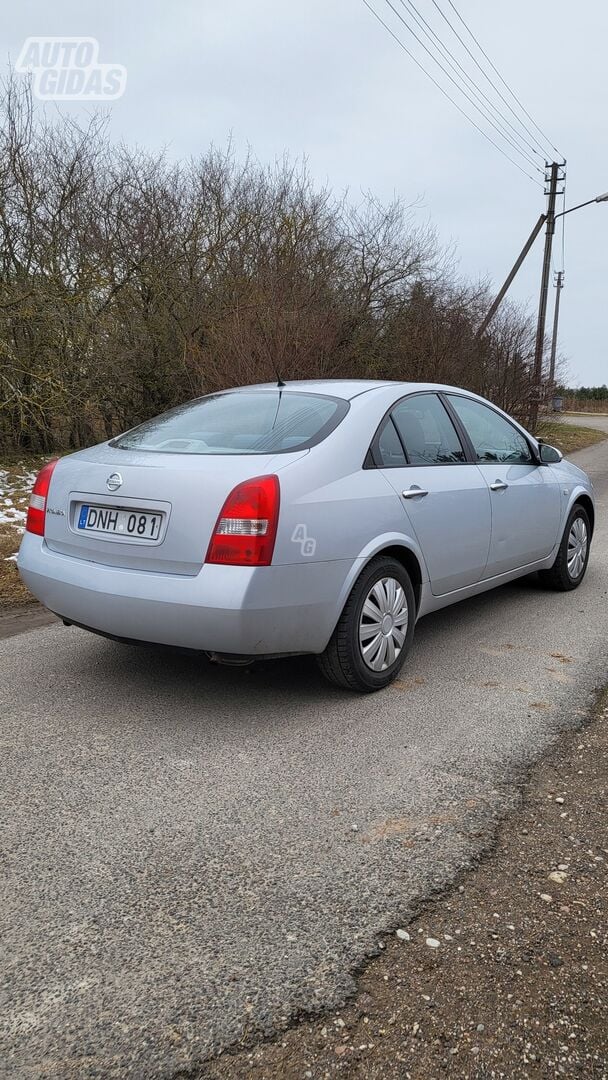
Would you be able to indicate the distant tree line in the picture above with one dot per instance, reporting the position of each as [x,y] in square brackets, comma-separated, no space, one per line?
[129,283]
[585,393]
[584,398]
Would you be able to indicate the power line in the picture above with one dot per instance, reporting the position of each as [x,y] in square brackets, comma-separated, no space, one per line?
[505,84]
[480,108]
[475,88]
[445,93]
[486,76]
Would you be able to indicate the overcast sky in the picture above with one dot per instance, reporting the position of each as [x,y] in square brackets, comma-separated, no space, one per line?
[323,79]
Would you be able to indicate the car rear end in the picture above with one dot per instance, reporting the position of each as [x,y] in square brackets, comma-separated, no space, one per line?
[169,537]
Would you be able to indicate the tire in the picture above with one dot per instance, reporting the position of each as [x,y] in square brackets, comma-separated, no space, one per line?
[568,571]
[344,662]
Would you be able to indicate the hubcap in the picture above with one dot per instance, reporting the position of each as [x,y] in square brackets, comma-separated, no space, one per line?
[383,624]
[578,542]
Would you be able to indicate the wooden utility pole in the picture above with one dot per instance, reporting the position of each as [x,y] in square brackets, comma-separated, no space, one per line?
[553,179]
[554,175]
[559,284]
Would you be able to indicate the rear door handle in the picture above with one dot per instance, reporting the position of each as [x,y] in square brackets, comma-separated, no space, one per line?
[498,485]
[414,493]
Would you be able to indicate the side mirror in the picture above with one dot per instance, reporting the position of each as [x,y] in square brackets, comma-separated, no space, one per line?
[549,455]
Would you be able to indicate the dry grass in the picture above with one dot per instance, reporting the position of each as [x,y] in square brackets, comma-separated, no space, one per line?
[569,437]
[13,592]
[16,477]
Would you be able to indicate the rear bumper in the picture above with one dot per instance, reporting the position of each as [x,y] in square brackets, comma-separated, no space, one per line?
[229,609]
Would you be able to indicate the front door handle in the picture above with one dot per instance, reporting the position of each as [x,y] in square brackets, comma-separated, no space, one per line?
[414,493]
[498,485]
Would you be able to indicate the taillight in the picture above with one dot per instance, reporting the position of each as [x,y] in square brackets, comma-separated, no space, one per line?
[37,509]
[246,529]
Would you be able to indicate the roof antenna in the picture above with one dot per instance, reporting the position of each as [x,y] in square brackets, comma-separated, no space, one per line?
[280,382]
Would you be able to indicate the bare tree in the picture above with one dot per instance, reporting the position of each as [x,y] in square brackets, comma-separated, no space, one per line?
[129,284]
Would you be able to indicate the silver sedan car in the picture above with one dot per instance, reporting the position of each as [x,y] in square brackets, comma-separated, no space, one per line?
[319,517]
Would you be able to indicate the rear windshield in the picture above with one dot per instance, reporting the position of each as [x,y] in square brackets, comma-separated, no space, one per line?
[240,422]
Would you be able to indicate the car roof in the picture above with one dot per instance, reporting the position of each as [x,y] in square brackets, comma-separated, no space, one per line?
[348,388]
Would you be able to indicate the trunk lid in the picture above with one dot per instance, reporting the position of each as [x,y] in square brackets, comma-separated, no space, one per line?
[185,491]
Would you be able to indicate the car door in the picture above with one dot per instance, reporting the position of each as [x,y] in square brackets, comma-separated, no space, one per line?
[444,496]
[525,496]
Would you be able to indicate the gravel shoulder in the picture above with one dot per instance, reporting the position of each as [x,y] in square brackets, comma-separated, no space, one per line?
[504,975]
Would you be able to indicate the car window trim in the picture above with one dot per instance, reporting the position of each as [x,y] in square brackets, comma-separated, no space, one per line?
[488,405]
[374,454]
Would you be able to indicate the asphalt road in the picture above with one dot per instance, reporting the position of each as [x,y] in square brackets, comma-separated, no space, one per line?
[598,420]
[190,852]
[594,420]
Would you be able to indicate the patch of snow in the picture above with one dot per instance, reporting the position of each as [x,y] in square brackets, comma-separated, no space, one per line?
[14,496]
[13,516]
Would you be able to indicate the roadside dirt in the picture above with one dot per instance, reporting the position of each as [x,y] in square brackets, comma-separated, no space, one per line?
[19,620]
[503,976]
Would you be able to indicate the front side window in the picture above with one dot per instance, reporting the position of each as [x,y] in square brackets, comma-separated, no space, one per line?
[426,431]
[494,438]
[270,421]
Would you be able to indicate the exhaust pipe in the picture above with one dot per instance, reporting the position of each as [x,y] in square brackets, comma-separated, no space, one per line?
[230,659]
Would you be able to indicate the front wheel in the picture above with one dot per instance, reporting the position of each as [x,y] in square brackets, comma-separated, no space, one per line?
[569,568]
[374,633]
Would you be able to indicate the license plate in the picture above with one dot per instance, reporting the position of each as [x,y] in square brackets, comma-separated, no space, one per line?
[137,524]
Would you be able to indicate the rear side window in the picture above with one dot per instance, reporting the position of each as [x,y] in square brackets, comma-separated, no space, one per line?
[426,431]
[390,449]
[240,422]
[493,437]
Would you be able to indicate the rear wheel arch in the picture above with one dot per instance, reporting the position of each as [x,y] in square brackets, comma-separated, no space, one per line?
[344,661]
[403,554]
[410,562]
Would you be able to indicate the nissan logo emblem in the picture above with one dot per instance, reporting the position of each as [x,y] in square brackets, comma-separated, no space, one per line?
[114,481]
